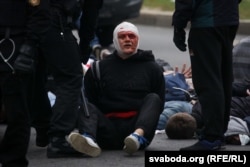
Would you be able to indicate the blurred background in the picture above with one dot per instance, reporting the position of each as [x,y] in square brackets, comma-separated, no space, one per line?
[116,11]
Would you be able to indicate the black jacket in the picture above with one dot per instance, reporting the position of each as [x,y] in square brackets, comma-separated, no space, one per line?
[25,20]
[240,108]
[239,89]
[205,13]
[124,83]
[88,23]
[23,17]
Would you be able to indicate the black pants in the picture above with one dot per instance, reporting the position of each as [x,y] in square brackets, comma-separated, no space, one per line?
[211,61]
[62,54]
[111,132]
[40,105]
[14,91]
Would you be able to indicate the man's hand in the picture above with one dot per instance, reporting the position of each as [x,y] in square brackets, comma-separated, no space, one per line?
[25,61]
[180,38]
[186,72]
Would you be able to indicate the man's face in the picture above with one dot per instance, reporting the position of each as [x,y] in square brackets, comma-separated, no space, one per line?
[128,41]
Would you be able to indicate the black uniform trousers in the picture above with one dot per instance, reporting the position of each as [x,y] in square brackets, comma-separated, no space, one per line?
[62,54]
[14,90]
[110,132]
[211,60]
[40,105]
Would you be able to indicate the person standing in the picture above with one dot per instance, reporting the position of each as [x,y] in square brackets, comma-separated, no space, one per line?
[213,29]
[125,101]
[64,56]
[20,35]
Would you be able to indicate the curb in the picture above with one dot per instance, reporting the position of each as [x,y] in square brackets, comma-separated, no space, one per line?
[164,19]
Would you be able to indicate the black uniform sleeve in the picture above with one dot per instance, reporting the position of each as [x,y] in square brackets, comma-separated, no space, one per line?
[88,23]
[38,19]
[36,25]
[182,14]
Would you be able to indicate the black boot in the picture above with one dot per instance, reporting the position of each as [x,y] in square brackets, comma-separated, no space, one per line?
[204,145]
[42,138]
[59,148]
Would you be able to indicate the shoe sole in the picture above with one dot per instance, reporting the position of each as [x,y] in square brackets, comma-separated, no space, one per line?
[130,145]
[80,144]
[56,153]
[51,155]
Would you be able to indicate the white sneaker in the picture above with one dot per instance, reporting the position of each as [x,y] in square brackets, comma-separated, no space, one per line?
[131,144]
[84,144]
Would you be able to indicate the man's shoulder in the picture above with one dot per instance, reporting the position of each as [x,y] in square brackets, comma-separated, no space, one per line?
[149,52]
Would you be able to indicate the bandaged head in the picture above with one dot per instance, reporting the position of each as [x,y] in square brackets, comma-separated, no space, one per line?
[124,27]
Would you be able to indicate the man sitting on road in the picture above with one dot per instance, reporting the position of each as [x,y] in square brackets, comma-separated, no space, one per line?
[126,99]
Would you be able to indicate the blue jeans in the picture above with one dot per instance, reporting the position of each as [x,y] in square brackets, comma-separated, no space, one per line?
[171,108]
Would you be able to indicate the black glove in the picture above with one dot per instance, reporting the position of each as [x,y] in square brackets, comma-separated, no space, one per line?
[25,61]
[180,38]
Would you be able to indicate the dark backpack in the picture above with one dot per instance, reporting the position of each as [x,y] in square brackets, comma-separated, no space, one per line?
[95,70]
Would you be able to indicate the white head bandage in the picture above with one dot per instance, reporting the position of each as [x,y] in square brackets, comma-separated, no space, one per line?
[124,26]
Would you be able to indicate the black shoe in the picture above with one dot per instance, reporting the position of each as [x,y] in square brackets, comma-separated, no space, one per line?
[204,145]
[42,138]
[60,148]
